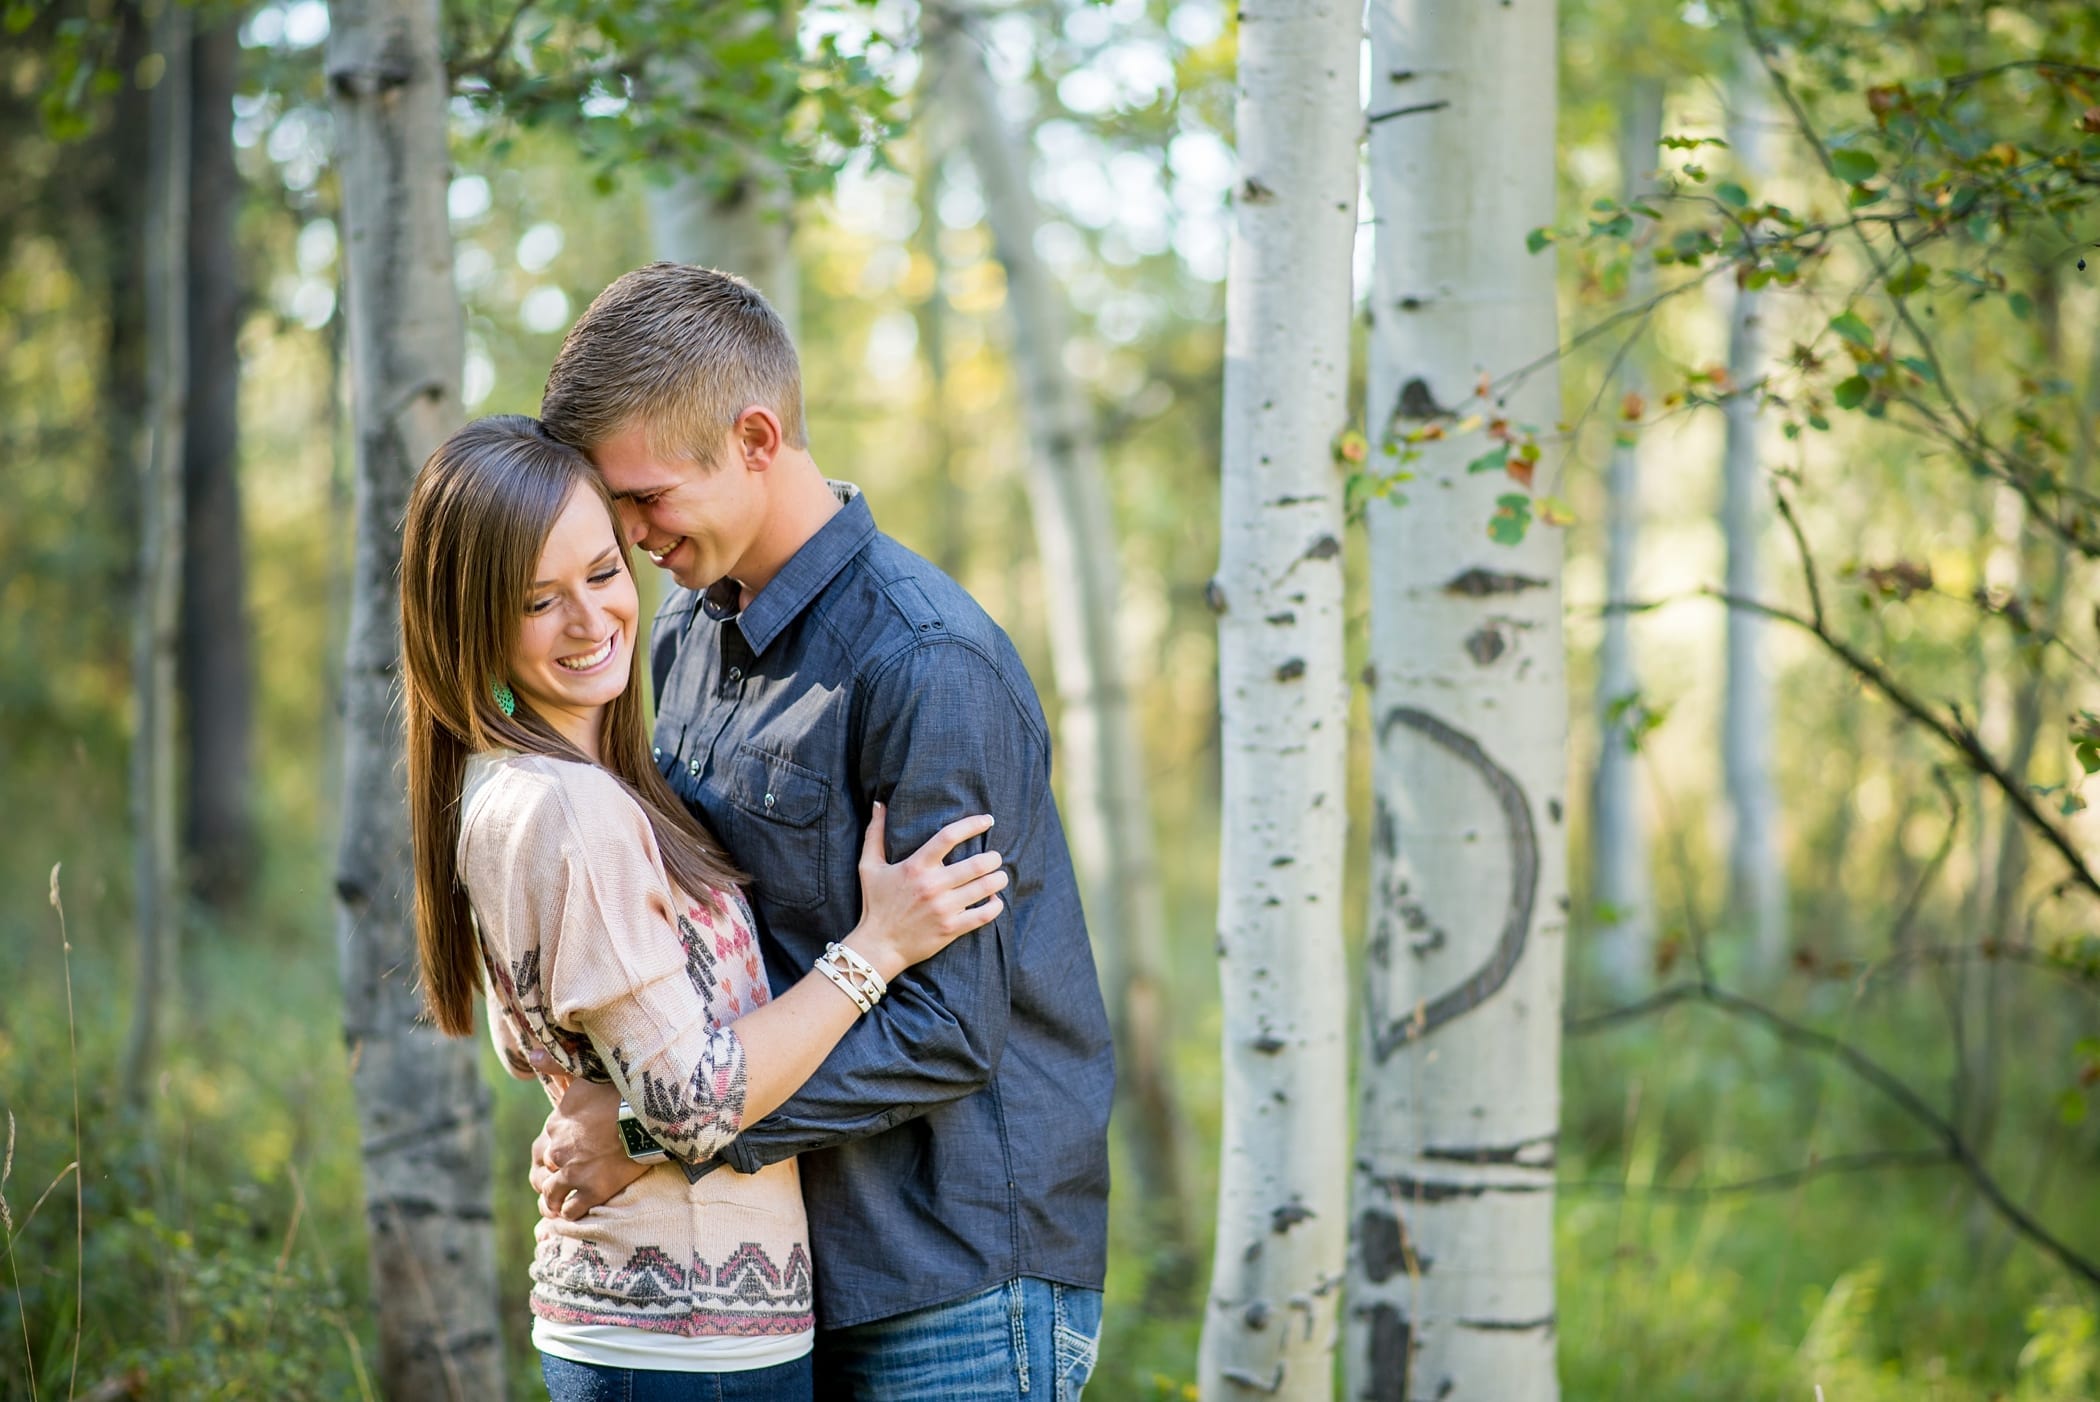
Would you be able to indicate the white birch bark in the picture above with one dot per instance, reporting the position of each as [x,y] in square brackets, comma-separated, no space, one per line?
[1451,1268]
[1619,875]
[1756,876]
[154,753]
[423,1108]
[1269,1322]
[1107,806]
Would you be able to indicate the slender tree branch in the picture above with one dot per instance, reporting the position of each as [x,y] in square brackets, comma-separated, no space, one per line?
[1609,1018]
[2044,66]
[493,55]
[1864,1162]
[1900,931]
[1956,1147]
[1952,730]
[1808,561]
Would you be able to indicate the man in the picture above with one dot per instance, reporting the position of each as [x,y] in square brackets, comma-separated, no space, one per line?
[954,1152]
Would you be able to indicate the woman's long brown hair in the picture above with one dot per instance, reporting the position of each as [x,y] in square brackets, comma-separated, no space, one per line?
[478,517]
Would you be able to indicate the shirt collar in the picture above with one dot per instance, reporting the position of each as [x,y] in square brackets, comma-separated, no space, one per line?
[802,578]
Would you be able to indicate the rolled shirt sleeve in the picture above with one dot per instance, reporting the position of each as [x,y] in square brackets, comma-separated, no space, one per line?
[943,737]
[599,947]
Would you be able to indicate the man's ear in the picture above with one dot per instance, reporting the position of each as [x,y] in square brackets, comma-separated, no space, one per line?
[756,438]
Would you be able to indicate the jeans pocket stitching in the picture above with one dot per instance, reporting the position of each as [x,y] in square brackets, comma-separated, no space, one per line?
[1075,1354]
[1017,1316]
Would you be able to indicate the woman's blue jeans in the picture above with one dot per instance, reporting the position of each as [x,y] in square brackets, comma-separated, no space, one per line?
[568,1381]
[1025,1341]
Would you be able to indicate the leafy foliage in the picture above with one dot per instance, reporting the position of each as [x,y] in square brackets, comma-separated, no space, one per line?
[723,88]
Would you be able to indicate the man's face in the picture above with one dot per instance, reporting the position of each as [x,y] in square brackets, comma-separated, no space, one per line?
[694,520]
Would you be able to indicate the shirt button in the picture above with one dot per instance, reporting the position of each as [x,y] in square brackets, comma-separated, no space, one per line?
[656,752]
[736,674]
[769,800]
[692,766]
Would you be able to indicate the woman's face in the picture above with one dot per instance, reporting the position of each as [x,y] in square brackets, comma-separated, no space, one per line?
[576,634]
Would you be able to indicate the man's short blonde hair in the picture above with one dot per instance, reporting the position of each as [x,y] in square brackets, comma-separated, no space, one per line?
[681,351]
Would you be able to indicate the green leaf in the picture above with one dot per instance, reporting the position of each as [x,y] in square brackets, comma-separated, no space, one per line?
[1494,460]
[2070,1108]
[1511,520]
[1851,328]
[1854,166]
[2088,753]
[1731,194]
[2022,305]
[1852,393]
[1538,239]
[2072,804]
[1908,279]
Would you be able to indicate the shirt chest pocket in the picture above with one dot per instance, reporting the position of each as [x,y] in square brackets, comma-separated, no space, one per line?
[782,836]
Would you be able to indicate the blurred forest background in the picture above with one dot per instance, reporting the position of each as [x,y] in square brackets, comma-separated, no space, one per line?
[1833,996]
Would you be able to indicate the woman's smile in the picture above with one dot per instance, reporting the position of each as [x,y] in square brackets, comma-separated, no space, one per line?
[591,661]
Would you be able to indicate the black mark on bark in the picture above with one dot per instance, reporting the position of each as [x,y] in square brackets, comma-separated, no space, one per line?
[1531,1153]
[1325,547]
[1214,597]
[1416,402]
[1392,1350]
[1508,1326]
[1254,192]
[1390,1033]
[1382,1238]
[1288,1216]
[1420,1190]
[1486,643]
[1477,583]
[1291,670]
[1408,111]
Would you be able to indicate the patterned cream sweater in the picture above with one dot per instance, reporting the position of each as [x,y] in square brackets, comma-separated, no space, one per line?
[593,954]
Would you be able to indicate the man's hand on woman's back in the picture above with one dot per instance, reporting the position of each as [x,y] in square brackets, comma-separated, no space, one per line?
[579,1162]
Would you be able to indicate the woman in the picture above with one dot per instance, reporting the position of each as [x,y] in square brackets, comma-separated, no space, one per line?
[611,928]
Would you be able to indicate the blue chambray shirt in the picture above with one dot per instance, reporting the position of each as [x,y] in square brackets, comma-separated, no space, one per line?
[957,1137]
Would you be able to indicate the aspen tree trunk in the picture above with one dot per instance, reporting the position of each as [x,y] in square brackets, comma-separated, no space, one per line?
[216,670]
[1108,808]
[120,203]
[1451,1262]
[742,221]
[1756,875]
[1619,847]
[2041,575]
[930,316]
[423,1107]
[744,230]
[1269,1323]
[153,751]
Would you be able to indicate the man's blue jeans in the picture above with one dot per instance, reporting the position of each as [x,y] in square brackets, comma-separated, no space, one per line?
[1025,1341]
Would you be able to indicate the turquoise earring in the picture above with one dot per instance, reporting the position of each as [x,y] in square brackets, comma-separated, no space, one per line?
[505,702]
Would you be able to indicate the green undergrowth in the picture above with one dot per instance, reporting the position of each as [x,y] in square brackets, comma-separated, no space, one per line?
[224,1253]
